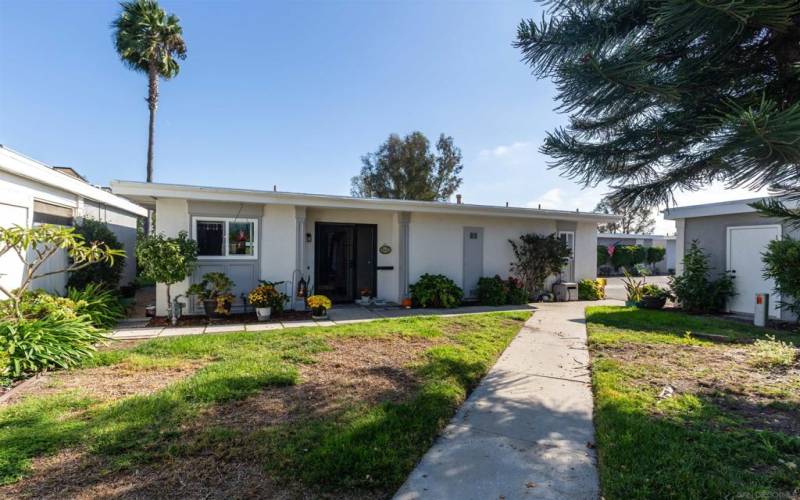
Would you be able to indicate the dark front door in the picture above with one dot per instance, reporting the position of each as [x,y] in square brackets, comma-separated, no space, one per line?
[344,260]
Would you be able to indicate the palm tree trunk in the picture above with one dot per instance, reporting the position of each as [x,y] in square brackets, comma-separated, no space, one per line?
[152,101]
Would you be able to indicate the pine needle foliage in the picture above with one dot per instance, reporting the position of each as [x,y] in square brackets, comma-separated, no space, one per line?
[671,95]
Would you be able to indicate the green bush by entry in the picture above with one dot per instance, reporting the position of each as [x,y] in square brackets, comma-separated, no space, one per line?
[102,273]
[592,289]
[436,290]
[695,290]
[496,291]
[782,264]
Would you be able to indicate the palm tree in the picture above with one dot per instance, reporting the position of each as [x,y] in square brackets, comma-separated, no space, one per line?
[149,40]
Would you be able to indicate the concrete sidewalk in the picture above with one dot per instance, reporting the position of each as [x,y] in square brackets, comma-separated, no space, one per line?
[339,315]
[526,430]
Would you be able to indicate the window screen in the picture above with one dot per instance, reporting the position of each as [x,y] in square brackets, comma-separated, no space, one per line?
[210,235]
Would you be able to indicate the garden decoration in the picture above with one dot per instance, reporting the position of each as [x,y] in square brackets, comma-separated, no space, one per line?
[215,292]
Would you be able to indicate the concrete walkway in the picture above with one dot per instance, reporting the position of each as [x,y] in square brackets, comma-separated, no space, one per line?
[526,430]
[339,315]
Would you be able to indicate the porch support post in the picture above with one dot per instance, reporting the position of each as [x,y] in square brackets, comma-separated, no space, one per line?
[299,256]
[403,220]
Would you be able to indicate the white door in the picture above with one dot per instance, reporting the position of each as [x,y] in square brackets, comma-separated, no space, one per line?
[11,266]
[568,273]
[745,246]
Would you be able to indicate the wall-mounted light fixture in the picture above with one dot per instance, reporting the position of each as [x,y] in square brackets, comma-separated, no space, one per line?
[308,237]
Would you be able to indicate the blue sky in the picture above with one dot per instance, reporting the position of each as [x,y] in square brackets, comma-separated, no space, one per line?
[285,93]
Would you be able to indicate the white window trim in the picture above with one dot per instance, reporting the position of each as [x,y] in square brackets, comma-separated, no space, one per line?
[225,247]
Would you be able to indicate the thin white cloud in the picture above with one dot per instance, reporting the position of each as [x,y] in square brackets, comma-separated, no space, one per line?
[504,150]
[574,199]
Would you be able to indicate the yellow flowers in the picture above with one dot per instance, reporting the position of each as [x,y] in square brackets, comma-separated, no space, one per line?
[319,302]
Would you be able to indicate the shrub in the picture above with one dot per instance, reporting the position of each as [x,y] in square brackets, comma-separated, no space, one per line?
[537,258]
[771,353]
[38,344]
[105,273]
[492,291]
[655,291]
[695,290]
[516,293]
[782,264]
[628,256]
[655,255]
[100,304]
[436,290]
[592,289]
[166,260]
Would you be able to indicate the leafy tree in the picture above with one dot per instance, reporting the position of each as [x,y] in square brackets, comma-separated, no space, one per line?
[36,245]
[100,272]
[627,256]
[166,260]
[668,95]
[149,40]
[782,265]
[655,255]
[538,257]
[406,169]
[695,289]
[635,220]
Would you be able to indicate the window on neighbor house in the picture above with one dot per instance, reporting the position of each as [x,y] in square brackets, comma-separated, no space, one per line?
[225,238]
[48,213]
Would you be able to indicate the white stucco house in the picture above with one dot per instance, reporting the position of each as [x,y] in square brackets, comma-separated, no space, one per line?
[343,245]
[32,192]
[734,236]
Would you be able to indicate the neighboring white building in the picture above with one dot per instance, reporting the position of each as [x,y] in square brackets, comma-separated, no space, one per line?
[32,193]
[734,236]
[344,244]
[646,240]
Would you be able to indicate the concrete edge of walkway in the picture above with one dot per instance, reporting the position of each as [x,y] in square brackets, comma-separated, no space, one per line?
[136,333]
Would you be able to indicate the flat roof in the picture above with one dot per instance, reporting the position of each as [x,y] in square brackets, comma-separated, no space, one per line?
[18,164]
[711,209]
[146,193]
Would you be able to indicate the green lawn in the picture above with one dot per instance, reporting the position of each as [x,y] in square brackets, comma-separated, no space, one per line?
[257,412]
[730,429]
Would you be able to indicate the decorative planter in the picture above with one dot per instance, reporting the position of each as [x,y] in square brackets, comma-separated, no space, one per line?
[319,313]
[406,303]
[652,302]
[263,313]
[365,300]
[210,307]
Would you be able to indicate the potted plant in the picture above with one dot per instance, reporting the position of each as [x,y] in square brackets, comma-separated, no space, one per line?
[215,292]
[653,297]
[365,296]
[166,260]
[266,300]
[633,287]
[319,305]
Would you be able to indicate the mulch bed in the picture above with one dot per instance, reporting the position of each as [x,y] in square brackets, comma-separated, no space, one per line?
[234,318]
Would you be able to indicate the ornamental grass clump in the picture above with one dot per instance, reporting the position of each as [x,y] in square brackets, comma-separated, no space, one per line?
[772,353]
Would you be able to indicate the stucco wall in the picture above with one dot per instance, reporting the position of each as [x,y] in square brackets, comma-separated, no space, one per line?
[711,234]
[436,244]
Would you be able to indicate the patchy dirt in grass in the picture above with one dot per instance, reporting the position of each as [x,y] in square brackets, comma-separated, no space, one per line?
[353,371]
[767,399]
[78,475]
[108,383]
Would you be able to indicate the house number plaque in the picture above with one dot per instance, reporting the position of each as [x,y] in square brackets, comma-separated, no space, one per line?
[385,249]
